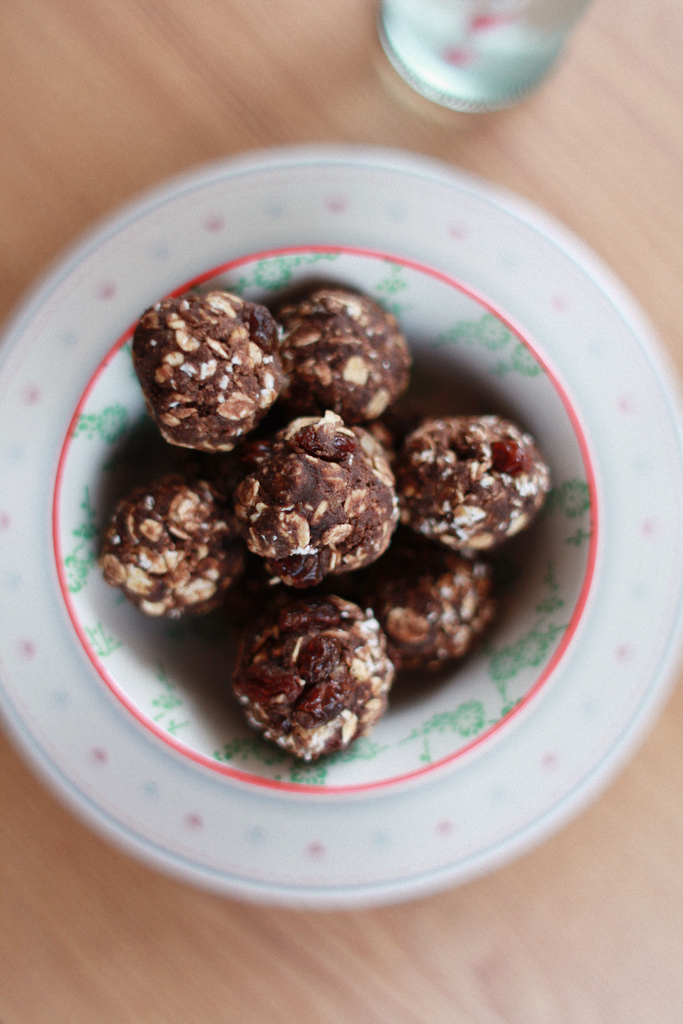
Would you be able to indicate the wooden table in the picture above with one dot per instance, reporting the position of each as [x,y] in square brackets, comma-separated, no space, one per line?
[102,98]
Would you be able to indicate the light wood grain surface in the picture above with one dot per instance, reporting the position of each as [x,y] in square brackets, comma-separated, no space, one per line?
[103,98]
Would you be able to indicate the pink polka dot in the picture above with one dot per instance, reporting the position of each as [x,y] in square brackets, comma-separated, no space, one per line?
[560,303]
[624,653]
[549,761]
[482,22]
[5,520]
[31,394]
[99,755]
[337,203]
[27,649]
[194,820]
[458,56]
[457,231]
[214,223]
[626,405]
[649,528]
[445,828]
[106,291]
[315,850]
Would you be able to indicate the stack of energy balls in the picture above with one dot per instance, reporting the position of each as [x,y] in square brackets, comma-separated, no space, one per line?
[352,529]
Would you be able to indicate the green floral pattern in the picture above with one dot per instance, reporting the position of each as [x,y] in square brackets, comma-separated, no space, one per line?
[534,646]
[101,641]
[468,719]
[250,752]
[386,290]
[168,705]
[572,500]
[82,557]
[493,336]
[278,272]
[109,425]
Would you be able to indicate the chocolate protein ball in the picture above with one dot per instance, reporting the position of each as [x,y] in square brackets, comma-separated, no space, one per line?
[208,366]
[341,351]
[314,675]
[470,481]
[432,602]
[320,499]
[172,548]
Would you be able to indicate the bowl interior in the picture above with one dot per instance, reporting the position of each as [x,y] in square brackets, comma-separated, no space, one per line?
[174,677]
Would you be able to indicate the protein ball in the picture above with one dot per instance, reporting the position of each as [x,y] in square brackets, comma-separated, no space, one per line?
[341,351]
[432,602]
[314,675]
[470,481]
[208,366]
[321,500]
[172,548]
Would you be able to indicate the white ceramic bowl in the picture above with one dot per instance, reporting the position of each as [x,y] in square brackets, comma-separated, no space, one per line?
[129,719]
[175,678]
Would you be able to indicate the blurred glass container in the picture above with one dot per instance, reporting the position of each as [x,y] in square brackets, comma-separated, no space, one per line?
[476,55]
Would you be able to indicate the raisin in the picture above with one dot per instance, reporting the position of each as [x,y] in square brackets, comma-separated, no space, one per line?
[324,444]
[309,615]
[319,657]
[299,570]
[321,703]
[509,457]
[262,328]
[264,680]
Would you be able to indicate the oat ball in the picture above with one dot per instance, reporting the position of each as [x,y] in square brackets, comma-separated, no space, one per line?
[208,366]
[341,351]
[172,548]
[314,675]
[432,602]
[470,481]
[320,500]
